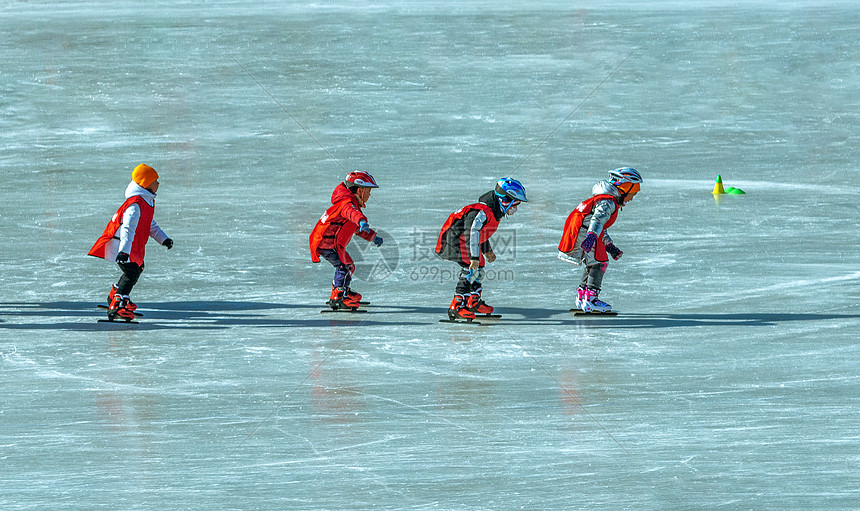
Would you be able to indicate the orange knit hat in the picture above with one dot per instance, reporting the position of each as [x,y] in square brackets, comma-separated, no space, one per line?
[144,175]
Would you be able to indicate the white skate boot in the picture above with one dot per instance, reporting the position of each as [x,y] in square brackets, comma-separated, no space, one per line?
[592,304]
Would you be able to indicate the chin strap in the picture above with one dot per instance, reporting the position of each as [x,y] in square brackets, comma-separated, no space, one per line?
[624,194]
[505,208]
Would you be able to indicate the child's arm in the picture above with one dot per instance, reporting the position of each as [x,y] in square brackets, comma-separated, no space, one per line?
[157,234]
[600,215]
[352,214]
[473,238]
[369,235]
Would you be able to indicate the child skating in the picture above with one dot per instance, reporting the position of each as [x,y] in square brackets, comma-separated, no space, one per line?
[124,239]
[465,239]
[585,240]
[335,229]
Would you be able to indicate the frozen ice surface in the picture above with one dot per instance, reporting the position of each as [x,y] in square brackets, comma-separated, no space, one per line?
[729,381]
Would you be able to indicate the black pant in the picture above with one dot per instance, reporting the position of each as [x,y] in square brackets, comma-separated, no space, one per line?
[130,273]
[464,287]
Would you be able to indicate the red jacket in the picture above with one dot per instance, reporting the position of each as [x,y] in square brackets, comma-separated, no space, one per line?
[335,228]
[573,224]
[141,234]
[452,243]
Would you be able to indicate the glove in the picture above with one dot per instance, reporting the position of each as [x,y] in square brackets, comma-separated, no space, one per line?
[588,242]
[471,274]
[122,257]
[363,226]
[168,243]
[377,240]
[614,251]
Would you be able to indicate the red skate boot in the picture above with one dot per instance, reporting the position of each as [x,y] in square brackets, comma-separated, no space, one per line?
[458,309]
[340,300]
[112,293]
[353,296]
[475,304]
[129,305]
[119,309]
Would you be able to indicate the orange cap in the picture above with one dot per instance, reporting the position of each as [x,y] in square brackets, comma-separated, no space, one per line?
[144,175]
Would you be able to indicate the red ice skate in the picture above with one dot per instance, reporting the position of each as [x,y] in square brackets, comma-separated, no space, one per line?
[459,310]
[476,305]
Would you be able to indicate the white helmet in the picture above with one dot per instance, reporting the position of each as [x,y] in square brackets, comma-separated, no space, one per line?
[625,175]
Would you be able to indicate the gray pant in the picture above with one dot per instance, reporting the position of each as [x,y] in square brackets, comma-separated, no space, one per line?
[592,274]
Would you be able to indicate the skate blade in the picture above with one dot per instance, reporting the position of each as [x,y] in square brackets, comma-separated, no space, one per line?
[356,311]
[492,316]
[105,307]
[121,321]
[580,312]
[461,321]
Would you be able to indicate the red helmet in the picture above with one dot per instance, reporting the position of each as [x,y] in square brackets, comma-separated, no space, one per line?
[360,178]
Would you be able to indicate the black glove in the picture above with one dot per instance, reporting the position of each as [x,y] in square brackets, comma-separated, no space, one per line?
[168,243]
[122,257]
[588,242]
[614,251]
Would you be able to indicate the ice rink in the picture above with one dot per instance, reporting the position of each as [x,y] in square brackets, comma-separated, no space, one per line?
[730,379]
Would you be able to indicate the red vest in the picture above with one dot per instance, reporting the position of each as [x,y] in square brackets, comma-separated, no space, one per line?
[141,234]
[488,229]
[574,223]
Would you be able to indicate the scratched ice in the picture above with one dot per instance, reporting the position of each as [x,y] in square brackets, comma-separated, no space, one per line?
[730,379]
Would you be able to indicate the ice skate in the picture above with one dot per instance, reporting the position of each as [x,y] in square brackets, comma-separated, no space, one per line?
[478,307]
[335,301]
[353,296]
[111,294]
[118,309]
[580,298]
[458,310]
[341,301]
[591,304]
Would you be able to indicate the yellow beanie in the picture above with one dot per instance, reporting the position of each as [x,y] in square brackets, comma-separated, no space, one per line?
[144,175]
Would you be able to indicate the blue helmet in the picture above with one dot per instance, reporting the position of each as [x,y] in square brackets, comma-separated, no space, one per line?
[509,192]
[508,189]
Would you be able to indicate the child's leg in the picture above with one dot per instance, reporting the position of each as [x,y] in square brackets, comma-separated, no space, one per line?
[592,276]
[458,307]
[585,258]
[120,303]
[340,293]
[342,276]
[592,279]
[476,304]
[477,287]
[130,275]
[464,285]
